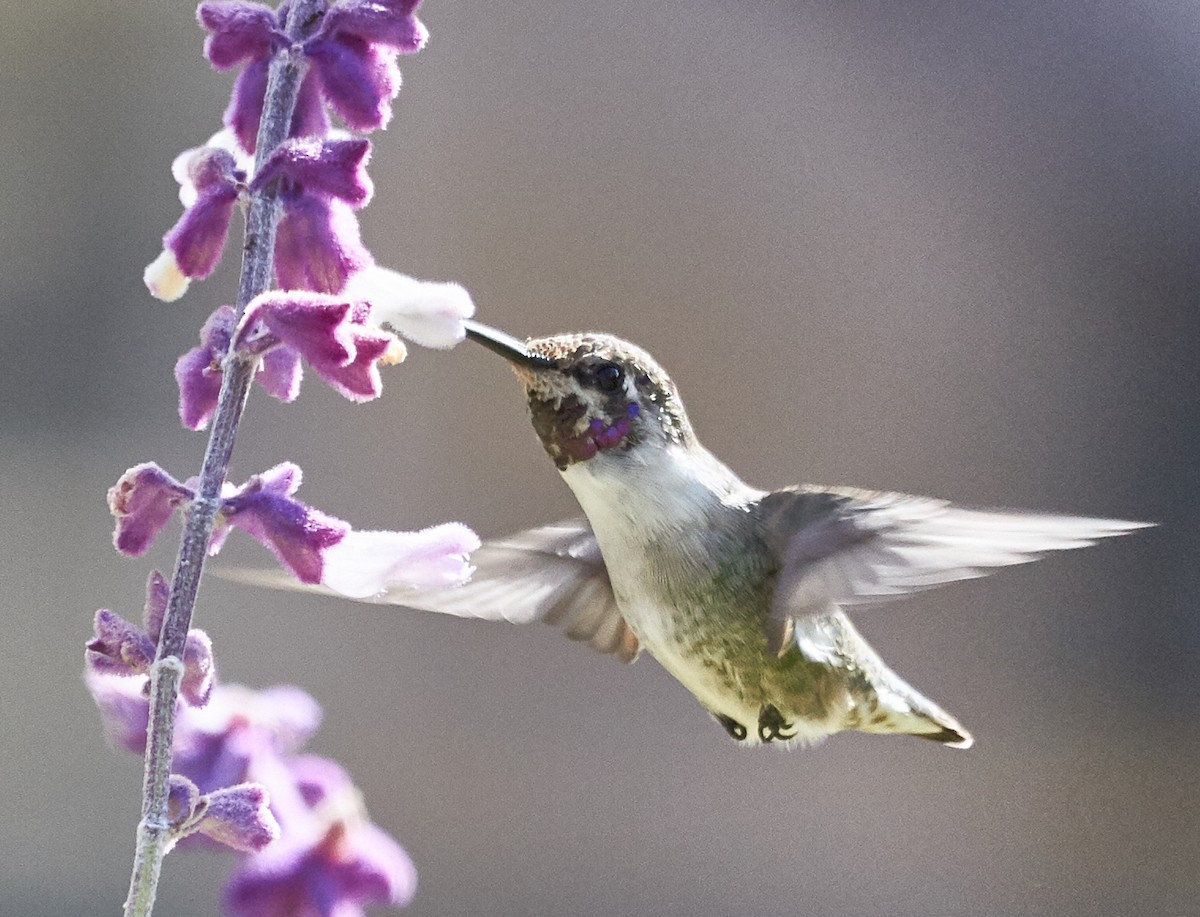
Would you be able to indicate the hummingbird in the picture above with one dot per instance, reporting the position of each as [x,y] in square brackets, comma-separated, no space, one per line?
[739,593]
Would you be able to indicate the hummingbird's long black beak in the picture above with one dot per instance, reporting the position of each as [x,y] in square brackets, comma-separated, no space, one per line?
[506,345]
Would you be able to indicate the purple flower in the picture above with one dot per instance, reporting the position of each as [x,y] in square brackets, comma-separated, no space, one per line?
[236,816]
[390,23]
[242,735]
[183,797]
[211,183]
[331,334]
[240,31]
[198,372]
[238,781]
[330,860]
[280,374]
[317,548]
[332,167]
[354,56]
[215,745]
[314,547]
[264,508]
[321,184]
[143,501]
[317,245]
[221,744]
[351,61]
[251,33]
[339,336]
[121,648]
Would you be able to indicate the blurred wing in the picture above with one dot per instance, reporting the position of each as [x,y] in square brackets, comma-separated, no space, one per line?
[553,574]
[853,547]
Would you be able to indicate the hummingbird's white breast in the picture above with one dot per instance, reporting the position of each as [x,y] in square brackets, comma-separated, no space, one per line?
[659,525]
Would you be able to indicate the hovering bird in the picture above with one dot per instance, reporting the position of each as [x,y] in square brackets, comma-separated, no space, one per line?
[739,593]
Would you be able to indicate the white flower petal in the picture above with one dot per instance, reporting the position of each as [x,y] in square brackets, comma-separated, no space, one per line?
[428,313]
[179,171]
[364,564]
[164,279]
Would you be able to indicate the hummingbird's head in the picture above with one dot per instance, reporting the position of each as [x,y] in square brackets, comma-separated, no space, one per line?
[591,394]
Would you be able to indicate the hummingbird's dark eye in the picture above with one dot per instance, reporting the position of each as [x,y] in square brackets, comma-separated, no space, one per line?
[609,377]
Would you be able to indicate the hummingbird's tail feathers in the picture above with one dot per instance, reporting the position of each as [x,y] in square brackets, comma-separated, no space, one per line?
[949,737]
[882,701]
[899,708]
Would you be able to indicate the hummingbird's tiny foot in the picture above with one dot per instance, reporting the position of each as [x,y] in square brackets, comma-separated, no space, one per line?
[772,726]
[735,729]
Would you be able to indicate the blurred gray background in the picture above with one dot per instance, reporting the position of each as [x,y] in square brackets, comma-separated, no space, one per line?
[949,248]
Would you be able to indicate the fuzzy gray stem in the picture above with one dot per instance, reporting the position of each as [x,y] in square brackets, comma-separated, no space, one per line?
[283,85]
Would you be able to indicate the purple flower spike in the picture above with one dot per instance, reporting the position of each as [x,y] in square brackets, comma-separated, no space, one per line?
[298,535]
[198,372]
[142,501]
[364,564]
[427,313]
[238,817]
[330,860]
[192,248]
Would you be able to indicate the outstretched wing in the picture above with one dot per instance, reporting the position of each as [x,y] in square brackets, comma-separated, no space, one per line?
[553,574]
[853,547]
